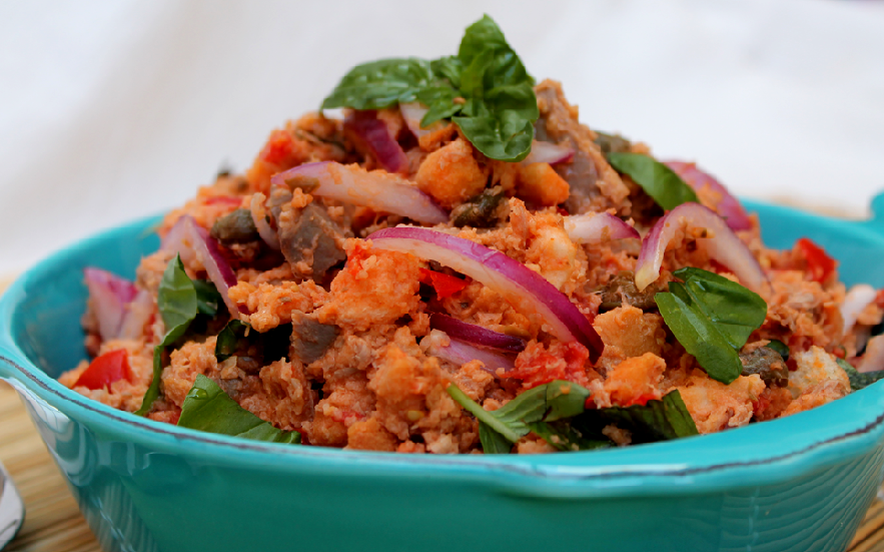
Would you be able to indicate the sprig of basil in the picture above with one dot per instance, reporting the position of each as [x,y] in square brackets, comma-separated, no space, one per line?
[178,304]
[712,317]
[660,420]
[208,408]
[859,380]
[659,181]
[485,90]
[499,429]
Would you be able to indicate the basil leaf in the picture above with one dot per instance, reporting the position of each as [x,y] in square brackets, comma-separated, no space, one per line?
[208,408]
[177,301]
[859,380]
[711,317]
[207,297]
[440,101]
[659,181]
[227,342]
[780,348]
[499,429]
[448,68]
[735,310]
[655,421]
[567,437]
[380,84]
[565,400]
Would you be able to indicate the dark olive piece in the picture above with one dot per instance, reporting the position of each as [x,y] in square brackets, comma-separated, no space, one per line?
[481,211]
[612,143]
[311,339]
[622,289]
[768,364]
[235,227]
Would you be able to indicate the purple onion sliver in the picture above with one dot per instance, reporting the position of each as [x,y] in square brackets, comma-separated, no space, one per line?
[547,152]
[729,207]
[110,295]
[378,190]
[375,134]
[526,290]
[724,247]
[459,352]
[596,228]
[475,335]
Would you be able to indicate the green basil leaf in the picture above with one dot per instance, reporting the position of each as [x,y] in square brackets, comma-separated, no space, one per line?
[780,348]
[380,84]
[712,317]
[658,180]
[859,380]
[208,299]
[655,421]
[208,408]
[499,429]
[227,342]
[567,437]
[565,400]
[448,68]
[440,101]
[486,135]
[698,335]
[177,301]
[735,310]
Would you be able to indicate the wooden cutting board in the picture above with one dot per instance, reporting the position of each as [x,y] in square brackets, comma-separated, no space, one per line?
[54,524]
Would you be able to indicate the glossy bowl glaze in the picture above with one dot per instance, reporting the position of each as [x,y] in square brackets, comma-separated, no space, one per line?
[801,483]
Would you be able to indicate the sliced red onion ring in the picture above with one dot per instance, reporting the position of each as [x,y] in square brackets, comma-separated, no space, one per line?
[192,241]
[855,301]
[724,247]
[413,113]
[459,352]
[138,313]
[259,217]
[729,207]
[377,190]
[375,135]
[596,228]
[873,359]
[547,152]
[475,335]
[526,290]
[110,295]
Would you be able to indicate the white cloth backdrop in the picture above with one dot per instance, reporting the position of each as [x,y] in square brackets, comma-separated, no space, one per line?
[116,110]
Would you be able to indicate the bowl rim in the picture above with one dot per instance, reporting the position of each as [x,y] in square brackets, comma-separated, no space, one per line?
[825,436]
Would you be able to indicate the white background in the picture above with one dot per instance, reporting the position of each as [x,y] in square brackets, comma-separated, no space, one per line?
[115,110]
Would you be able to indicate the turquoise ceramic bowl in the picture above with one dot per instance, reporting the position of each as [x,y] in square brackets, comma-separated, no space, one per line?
[798,484]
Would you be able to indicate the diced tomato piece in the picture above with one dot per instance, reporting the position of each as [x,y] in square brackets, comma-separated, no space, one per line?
[563,361]
[819,263]
[233,201]
[444,284]
[104,370]
[279,147]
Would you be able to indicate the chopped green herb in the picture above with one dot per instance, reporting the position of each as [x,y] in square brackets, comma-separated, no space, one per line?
[178,304]
[712,317]
[485,90]
[237,337]
[779,347]
[568,437]
[208,408]
[499,429]
[659,181]
[859,380]
[208,299]
[655,421]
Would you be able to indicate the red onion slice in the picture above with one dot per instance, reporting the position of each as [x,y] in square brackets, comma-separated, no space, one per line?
[459,353]
[526,290]
[729,207]
[596,228]
[475,335]
[110,295]
[192,241]
[547,152]
[138,315]
[377,190]
[724,247]
[259,217]
[413,113]
[375,135]
[857,299]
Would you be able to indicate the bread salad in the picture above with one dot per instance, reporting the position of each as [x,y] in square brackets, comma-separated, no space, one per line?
[445,260]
